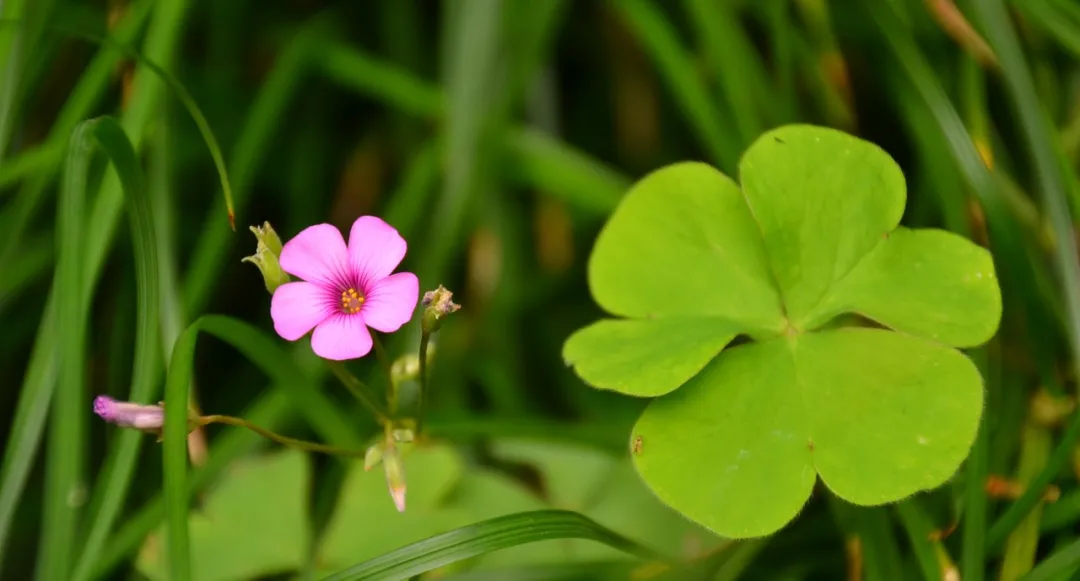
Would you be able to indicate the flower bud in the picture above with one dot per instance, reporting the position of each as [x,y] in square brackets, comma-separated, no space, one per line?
[437,304]
[403,435]
[373,456]
[395,476]
[266,257]
[148,418]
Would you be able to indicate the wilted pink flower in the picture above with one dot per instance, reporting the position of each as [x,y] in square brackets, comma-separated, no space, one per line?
[129,415]
[347,288]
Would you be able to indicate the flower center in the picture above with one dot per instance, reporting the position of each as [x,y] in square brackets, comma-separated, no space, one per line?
[351,301]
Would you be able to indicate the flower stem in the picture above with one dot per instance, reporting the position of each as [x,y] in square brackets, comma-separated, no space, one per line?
[425,337]
[384,362]
[358,389]
[284,440]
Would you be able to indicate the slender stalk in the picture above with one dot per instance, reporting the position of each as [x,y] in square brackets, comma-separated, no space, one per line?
[284,440]
[425,337]
[384,362]
[358,389]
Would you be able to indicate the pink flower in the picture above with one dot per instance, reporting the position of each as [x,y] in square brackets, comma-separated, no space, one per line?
[347,288]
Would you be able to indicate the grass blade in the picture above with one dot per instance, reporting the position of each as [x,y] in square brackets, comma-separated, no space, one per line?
[1044,14]
[33,162]
[1057,566]
[1012,252]
[485,537]
[535,160]
[973,548]
[473,43]
[661,41]
[405,208]
[258,132]
[539,161]
[384,81]
[78,107]
[67,437]
[115,479]
[189,104]
[174,451]
[39,380]
[1023,541]
[737,66]
[1045,157]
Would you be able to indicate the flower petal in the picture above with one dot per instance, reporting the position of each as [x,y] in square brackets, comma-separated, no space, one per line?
[297,307]
[341,337]
[375,249]
[391,301]
[317,254]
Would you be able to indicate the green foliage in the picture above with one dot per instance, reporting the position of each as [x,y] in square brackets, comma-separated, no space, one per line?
[253,524]
[812,234]
[234,535]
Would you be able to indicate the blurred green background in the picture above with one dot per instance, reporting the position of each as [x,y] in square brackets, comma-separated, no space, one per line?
[497,136]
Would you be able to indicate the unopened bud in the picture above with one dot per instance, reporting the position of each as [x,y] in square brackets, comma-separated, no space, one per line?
[407,367]
[373,456]
[437,304]
[266,257]
[395,476]
[148,418]
[145,418]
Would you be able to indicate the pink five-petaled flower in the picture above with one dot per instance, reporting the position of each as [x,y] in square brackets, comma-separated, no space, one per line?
[346,289]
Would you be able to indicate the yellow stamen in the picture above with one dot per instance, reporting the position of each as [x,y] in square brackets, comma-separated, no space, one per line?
[351,301]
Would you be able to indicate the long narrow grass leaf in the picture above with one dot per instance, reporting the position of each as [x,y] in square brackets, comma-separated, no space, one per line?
[473,46]
[257,134]
[66,455]
[185,99]
[1057,566]
[1044,156]
[385,81]
[539,161]
[39,380]
[115,479]
[736,65]
[485,537]
[175,453]
[973,543]
[407,206]
[661,42]
[535,159]
[78,106]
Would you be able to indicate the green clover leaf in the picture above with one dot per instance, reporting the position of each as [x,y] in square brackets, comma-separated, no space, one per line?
[253,524]
[690,261]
